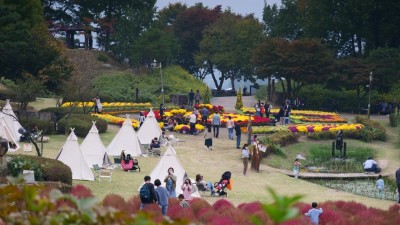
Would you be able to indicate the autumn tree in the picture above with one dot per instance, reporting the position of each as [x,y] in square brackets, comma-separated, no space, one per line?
[295,63]
[188,27]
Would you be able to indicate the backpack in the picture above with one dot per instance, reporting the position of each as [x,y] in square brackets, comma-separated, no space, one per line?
[145,195]
[169,184]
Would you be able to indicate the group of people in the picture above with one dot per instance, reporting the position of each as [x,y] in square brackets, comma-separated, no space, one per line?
[159,195]
[263,108]
[195,97]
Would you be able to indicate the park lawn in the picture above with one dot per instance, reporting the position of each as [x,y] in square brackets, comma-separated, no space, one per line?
[211,164]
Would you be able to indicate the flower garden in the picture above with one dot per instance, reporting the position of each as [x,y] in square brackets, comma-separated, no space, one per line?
[302,121]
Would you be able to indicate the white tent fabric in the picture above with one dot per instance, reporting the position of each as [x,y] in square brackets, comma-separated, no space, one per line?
[149,129]
[10,119]
[71,155]
[126,139]
[168,160]
[7,134]
[93,149]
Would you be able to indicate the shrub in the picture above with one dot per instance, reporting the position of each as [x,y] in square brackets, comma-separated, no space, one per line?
[102,57]
[82,124]
[283,138]
[394,119]
[45,125]
[64,188]
[49,169]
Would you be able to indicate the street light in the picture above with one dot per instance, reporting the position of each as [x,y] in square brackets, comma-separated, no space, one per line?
[369,95]
[161,76]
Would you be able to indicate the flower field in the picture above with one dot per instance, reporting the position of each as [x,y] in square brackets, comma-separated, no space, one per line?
[307,128]
[38,205]
[113,107]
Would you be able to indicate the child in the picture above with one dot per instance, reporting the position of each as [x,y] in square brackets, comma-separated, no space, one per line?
[296,168]
[380,186]
[182,202]
[314,213]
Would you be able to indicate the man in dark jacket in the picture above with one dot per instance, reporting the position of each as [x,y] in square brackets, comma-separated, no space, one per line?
[152,198]
[398,184]
[238,133]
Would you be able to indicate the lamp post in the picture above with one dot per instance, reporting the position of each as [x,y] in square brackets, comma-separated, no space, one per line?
[369,95]
[161,77]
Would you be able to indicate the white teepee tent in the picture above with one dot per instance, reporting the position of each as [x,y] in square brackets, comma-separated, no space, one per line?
[168,160]
[7,134]
[126,139]
[149,129]
[93,149]
[71,155]
[11,120]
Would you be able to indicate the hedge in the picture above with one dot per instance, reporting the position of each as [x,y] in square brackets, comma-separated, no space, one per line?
[45,169]
[82,124]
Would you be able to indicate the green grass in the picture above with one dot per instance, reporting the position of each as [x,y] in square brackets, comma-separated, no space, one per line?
[319,154]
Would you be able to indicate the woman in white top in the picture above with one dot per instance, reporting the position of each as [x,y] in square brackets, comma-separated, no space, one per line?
[230,125]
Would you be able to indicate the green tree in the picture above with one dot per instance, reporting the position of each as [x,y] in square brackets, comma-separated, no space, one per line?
[154,44]
[298,62]
[26,46]
[228,45]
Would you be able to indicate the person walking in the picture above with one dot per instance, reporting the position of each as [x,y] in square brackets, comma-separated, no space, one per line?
[296,168]
[245,158]
[238,132]
[216,122]
[147,193]
[192,122]
[197,98]
[398,184]
[141,119]
[314,213]
[170,183]
[162,197]
[208,138]
[204,116]
[162,110]
[191,98]
[380,187]
[230,125]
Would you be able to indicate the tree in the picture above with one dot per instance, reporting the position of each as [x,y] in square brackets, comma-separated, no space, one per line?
[154,44]
[26,46]
[283,22]
[206,99]
[239,100]
[188,28]
[298,62]
[166,17]
[227,44]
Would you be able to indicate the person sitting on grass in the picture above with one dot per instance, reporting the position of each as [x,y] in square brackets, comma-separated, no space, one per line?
[154,143]
[182,202]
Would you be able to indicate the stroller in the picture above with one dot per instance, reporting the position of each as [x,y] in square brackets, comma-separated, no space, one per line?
[130,164]
[223,184]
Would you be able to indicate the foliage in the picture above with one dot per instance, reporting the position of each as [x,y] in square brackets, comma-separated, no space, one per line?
[82,124]
[121,86]
[206,98]
[189,26]
[301,61]
[46,206]
[102,57]
[239,100]
[320,156]
[281,209]
[394,119]
[45,169]
[228,44]
[364,187]
[283,138]
[372,131]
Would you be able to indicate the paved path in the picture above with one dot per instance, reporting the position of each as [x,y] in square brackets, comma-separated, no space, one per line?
[229,102]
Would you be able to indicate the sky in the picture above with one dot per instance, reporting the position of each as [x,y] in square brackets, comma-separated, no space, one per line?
[243,7]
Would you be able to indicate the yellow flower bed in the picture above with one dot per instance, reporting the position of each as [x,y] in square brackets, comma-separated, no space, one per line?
[107,104]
